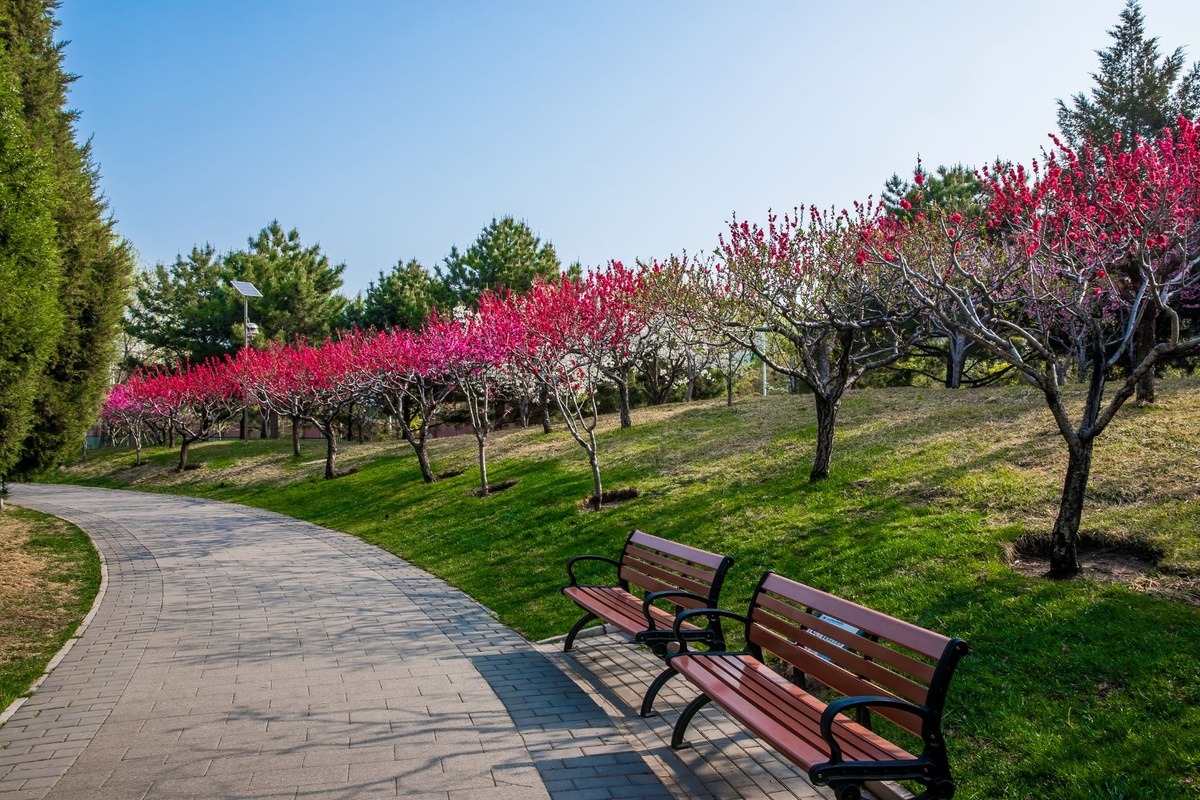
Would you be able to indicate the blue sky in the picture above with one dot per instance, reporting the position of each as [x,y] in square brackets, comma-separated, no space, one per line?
[391,130]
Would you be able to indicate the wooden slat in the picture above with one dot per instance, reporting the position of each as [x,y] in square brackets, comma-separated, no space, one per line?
[620,608]
[785,716]
[834,677]
[915,638]
[800,618]
[693,554]
[634,572]
[793,706]
[700,573]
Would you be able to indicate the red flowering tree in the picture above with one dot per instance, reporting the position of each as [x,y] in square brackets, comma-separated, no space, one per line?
[196,401]
[1096,241]
[128,410]
[317,384]
[470,350]
[800,278]
[562,332]
[411,383]
[630,317]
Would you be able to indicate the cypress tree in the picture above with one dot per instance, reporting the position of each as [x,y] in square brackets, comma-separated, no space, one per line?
[95,262]
[30,322]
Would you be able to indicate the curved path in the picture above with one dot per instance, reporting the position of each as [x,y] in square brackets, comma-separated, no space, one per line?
[240,653]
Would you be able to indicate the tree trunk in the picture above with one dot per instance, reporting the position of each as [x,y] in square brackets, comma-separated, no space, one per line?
[137,452]
[272,424]
[826,418]
[957,346]
[417,442]
[295,436]
[544,401]
[183,454]
[330,432]
[729,389]
[1143,342]
[598,489]
[626,420]
[1063,560]
[483,479]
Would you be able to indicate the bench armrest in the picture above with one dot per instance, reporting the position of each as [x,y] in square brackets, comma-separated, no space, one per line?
[649,599]
[844,703]
[571,566]
[708,613]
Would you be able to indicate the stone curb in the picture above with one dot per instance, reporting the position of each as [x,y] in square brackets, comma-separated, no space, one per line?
[7,714]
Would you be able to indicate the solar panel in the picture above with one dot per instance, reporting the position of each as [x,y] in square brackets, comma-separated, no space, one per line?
[246,288]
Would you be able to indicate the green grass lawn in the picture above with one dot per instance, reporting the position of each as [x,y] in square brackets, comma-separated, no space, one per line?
[49,576]
[1081,689]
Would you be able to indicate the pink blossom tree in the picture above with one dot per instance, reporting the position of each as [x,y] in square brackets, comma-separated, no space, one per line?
[195,400]
[128,409]
[411,383]
[559,332]
[799,279]
[317,384]
[473,355]
[1095,242]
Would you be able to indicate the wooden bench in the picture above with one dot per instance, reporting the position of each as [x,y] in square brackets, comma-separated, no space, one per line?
[660,571]
[880,666]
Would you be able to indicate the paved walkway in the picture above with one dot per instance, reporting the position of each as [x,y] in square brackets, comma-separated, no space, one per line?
[240,653]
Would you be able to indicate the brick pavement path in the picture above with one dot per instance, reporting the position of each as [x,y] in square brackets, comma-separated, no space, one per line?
[240,653]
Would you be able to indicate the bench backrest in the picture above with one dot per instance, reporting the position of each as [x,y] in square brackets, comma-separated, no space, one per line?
[884,656]
[654,564]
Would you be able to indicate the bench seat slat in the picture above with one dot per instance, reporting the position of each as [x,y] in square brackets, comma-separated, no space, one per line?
[784,715]
[619,607]
[693,554]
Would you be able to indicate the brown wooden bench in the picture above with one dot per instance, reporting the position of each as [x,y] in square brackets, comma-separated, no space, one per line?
[652,570]
[880,666]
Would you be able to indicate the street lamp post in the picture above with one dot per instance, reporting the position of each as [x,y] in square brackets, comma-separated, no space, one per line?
[246,290]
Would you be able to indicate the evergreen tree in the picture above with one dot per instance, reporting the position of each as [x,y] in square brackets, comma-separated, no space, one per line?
[299,285]
[1137,92]
[402,298]
[507,253]
[95,262]
[30,320]
[186,311]
[951,189]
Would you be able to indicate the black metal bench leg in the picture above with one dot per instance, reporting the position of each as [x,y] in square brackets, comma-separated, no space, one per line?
[575,631]
[652,692]
[685,718]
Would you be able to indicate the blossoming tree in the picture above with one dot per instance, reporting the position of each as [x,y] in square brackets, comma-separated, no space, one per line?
[1096,241]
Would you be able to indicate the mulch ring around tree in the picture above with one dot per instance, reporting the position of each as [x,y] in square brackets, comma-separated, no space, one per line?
[611,498]
[494,488]
[1130,562]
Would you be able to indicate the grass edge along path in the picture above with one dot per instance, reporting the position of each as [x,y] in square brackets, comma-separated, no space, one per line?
[49,578]
[1077,689]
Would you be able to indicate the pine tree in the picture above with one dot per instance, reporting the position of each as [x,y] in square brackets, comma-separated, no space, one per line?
[299,285]
[186,311]
[95,262]
[402,298]
[1137,92]
[507,254]
[30,320]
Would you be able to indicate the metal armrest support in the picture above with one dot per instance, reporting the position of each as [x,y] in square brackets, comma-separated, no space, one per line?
[649,600]
[710,614]
[844,703]
[571,565]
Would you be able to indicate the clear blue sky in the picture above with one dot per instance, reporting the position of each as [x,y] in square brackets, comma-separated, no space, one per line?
[388,130]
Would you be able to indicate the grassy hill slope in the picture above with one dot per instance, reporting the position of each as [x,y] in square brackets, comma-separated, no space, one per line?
[1086,689]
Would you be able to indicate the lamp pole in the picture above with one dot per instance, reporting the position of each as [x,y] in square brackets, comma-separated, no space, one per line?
[246,290]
